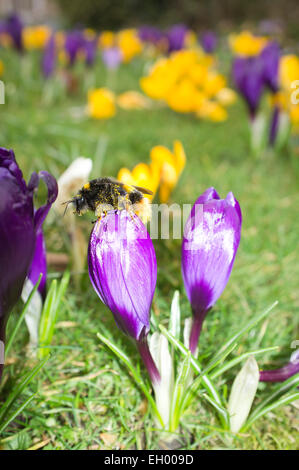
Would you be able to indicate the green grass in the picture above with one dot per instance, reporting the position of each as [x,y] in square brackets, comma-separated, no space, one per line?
[85,397]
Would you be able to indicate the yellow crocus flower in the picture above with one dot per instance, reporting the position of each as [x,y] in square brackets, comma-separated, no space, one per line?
[1,68]
[36,37]
[101,104]
[246,44]
[129,43]
[132,100]
[170,165]
[107,39]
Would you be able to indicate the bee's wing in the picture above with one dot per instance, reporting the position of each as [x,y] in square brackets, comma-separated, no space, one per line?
[142,190]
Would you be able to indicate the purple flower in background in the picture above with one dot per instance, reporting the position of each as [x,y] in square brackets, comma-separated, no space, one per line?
[284,373]
[211,239]
[248,75]
[209,42]
[123,271]
[74,43]
[176,37]
[112,57]
[270,56]
[90,49]
[150,34]
[14,27]
[19,225]
[49,58]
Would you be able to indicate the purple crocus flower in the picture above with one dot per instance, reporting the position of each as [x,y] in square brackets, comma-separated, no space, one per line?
[39,263]
[14,27]
[176,36]
[248,75]
[49,58]
[270,57]
[150,34]
[211,239]
[112,57]
[90,48]
[19,225]
[74,43]
[209,42]
[123,271]
[284,373]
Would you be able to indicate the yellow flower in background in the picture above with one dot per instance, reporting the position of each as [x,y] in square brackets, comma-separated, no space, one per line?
[170,166]
[226,96]
[1,68]
[129,43]
[107,39]
[212,111]
[288,71]
[246,43]
[185,81]
[133,100]
[101,104]
[60,39]
[36,37]
[143,175]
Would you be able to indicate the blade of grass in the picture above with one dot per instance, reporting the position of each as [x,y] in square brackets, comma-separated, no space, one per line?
[178,393]
[137,377]
[285,400]
[18,411]
[245,328]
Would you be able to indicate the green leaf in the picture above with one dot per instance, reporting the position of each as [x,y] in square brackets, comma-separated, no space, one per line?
[137,377]
[207,383]
[285,400]
[228,365]
[178,393]
[50,313]
[14,395]
[244,330]
[21,317]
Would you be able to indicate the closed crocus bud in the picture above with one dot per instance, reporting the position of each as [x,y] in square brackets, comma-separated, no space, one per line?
[242,394]
[123,271]
[49,58]
[176,37]
[19,224]
[248,75]
[74,43]
[14,27]
[209,41]
[284,372]
[270,56]
[211,239]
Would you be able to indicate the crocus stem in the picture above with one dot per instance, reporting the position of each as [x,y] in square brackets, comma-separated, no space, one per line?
[279,375]
[198,319]
[149,363]
[274,126]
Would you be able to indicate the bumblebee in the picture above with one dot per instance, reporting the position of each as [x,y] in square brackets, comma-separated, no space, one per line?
[102,195]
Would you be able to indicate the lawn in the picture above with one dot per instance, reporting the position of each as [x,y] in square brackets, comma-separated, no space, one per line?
[86,398]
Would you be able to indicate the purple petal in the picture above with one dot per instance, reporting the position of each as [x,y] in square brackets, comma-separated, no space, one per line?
[74,42]
[112,57]
[284,373]
[270,56]
[39,263]
[14,27]
[248,75]
[176,37]
[49,58]
[210,244]
[43,211]
[90,48]
[123,270]
[209,42]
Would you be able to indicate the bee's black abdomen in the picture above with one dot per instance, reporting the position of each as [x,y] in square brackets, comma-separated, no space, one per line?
[135,197]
